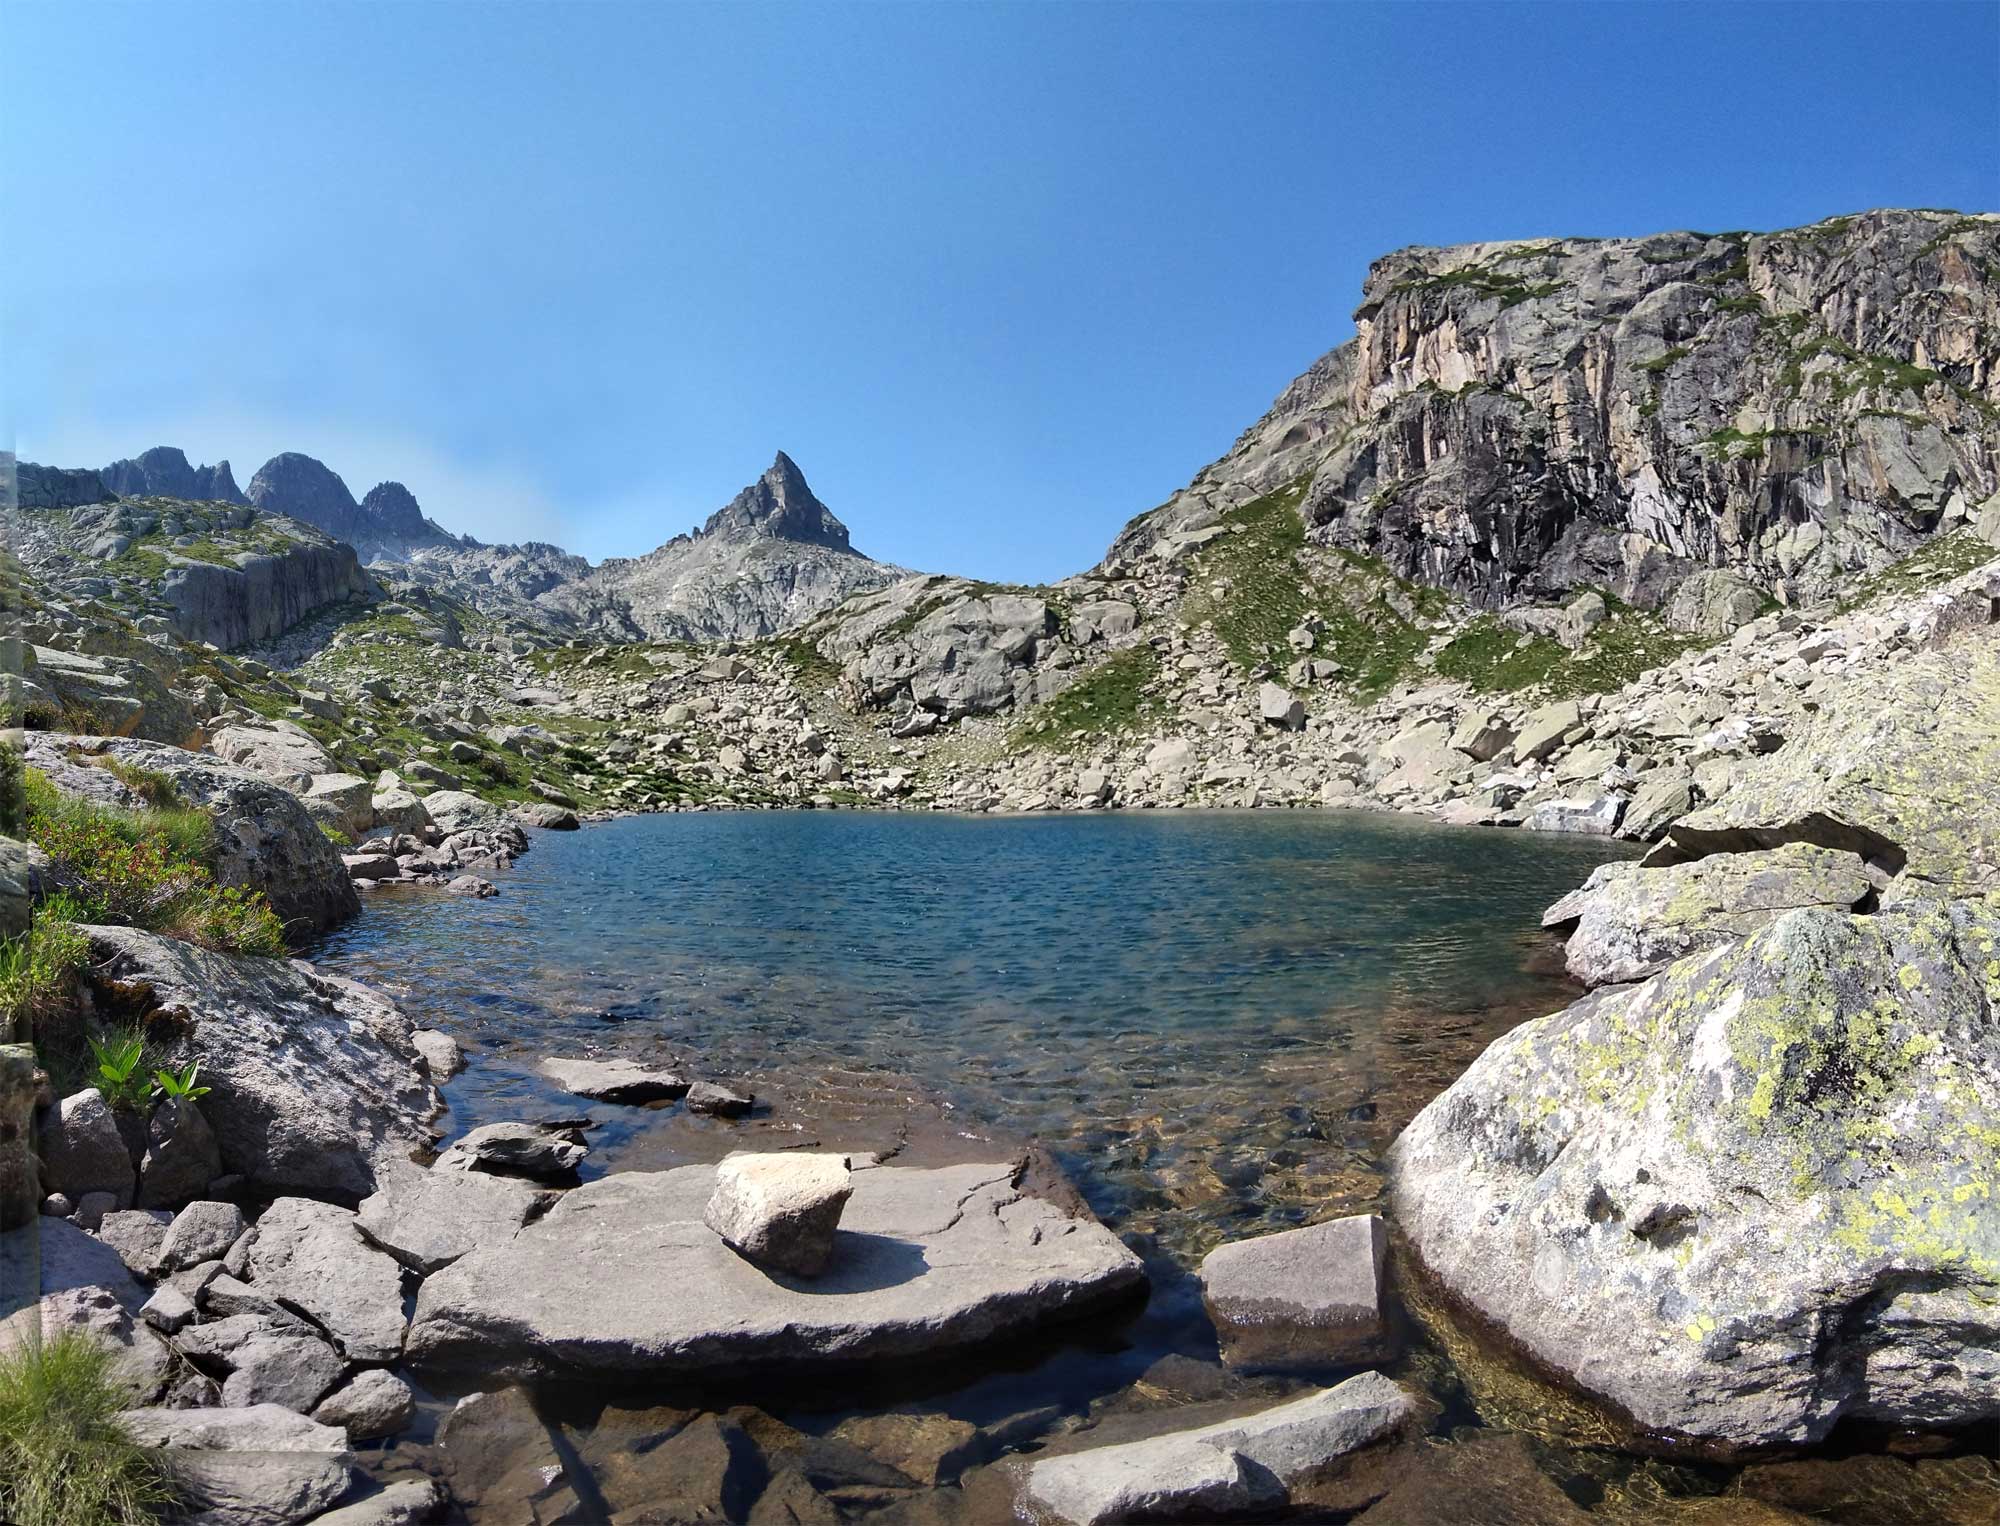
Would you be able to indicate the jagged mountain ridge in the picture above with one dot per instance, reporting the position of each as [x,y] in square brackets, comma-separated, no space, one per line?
[386,525]
[165,472]
[1514,421]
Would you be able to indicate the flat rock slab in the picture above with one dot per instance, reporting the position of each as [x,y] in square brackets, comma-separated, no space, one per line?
[1305,1298]
[623,1276]
[1243,1467]
[260,1465]
[428,1219]
[615,1080]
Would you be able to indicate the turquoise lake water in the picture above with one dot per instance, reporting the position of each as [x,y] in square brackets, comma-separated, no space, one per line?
[1215,1021]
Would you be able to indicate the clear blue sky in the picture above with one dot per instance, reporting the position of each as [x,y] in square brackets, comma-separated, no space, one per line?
[996,276]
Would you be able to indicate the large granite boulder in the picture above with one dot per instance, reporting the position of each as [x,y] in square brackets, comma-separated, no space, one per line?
[265,593]
[105,693]
[282,753]
[265,839]
[927,1263]
[1630,922]
[315,1083]
[1751,1197]
[82,1150]
[1902,768]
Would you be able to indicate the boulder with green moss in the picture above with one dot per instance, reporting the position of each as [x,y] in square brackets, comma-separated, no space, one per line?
[1752,1197]
[1628,921]
[1903,769]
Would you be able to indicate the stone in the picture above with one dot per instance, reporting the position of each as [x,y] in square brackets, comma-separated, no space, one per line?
[1488,1477]
[1715,602]
[373,1404]
[1170,756]
[708,1470]
[1482,735]
[929,1449]
[1661,800]
[1588,815]
[168,1309]
[345,802]
[547,817]
[202,1231]
[136,1234]
[1748,1198]
[927,1262]
[1580,617]
[181,1157]
[502,1462]
[440,1052]
[81,1149]
[718,1101]
[615,1080]
[314,1257]
[474,886]
[428,1219]
[1630,922]
[780,1210]
[93,1206]
[140,1360]
[258,1466]
[1302,1298]
[403,1502]
[1277,706]
[294,1369]
[534,1150]
[314,1083]
[1543,732]
[397,810]
[457,811]
[1243,1467]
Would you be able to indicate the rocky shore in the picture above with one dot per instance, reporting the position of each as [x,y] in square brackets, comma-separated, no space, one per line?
[1723,1229]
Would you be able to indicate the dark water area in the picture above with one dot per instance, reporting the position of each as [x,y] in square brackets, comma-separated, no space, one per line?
[1214,1021]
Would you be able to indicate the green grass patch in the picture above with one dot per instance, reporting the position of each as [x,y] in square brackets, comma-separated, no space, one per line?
[1494,659]
[813,667]
[1939,561]
[65,1458]
[148,869]
[1112,698]
[38,970]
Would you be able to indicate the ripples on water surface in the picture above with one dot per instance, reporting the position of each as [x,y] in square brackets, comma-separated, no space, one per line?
[1216,1021]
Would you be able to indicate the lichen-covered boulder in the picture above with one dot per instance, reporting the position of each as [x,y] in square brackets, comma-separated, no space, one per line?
[1751,1197]
[1903,769]
[1630,922]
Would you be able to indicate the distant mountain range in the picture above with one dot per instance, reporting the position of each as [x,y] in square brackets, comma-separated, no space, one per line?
[771,558]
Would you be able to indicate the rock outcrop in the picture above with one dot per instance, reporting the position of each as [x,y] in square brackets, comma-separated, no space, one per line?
[315,1083]
[1751,1197]
[385,526]
[1518,420]
[165,472]
[927,1263]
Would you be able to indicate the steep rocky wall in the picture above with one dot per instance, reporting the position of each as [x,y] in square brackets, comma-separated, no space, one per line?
[263,596]
[1512,421]
[54,487]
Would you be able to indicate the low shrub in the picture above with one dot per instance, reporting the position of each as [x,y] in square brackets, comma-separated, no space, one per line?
[38,969]
[148,869]
[65,1459]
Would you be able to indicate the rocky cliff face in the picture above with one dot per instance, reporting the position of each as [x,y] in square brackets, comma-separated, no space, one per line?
[52,487]
[387,525]
[1515,421]
[164,472]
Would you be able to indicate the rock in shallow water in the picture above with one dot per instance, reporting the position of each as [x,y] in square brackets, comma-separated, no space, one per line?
[622,1275]
[1751,1197]
[1242,1467]
[523,1149]
[1303,1298]
[615,1080]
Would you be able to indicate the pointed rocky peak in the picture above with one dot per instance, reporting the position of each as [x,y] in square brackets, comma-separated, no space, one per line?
[394,509]
[781,506]
[305,489]
[164,471]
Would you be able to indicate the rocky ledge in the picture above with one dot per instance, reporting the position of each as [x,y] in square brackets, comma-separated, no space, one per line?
[927,1262]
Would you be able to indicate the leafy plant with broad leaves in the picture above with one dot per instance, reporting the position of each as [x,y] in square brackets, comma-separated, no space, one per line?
[180,1087]
[119,1077]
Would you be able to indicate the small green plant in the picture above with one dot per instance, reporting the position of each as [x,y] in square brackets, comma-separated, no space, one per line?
[38,969]
[335,836]
[119,1077]
[65,1457]
[182,1087]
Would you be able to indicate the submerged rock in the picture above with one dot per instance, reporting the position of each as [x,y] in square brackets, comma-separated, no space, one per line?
[1302,1298]
[929,1262]
[1751,1197]
[1244,1467]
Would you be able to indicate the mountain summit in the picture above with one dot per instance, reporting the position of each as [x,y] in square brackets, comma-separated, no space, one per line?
[779,504]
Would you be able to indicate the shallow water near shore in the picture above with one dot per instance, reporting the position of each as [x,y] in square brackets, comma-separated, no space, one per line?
[1214,1023]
